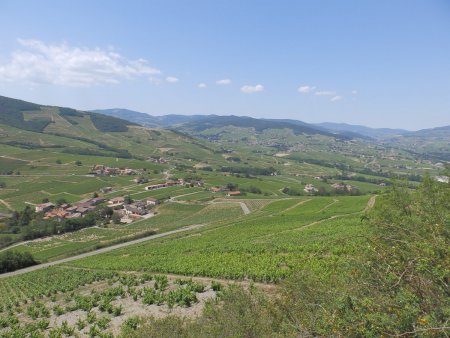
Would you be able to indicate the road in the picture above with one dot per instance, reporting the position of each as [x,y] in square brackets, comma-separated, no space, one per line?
[100,251]
[245,208]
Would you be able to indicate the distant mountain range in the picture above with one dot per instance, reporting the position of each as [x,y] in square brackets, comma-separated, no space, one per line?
[202,122]
[149,120]
[376,133]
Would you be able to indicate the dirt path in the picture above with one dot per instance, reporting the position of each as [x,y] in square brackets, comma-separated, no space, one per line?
[100,251]
[245,208]
[328,205]
[14,245]
[13,158]
[371,202]
[296,205]
[191,193]
[6,204]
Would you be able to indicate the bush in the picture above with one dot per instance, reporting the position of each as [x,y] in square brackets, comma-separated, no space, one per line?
[13,260]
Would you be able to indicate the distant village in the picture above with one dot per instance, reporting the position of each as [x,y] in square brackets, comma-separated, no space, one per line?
[124,207]
[102,170]
[127,209]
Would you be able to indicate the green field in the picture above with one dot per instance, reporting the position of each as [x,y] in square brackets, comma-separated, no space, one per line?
[266,246]
[169,217]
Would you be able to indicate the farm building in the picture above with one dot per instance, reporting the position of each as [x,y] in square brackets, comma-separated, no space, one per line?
[233,193]
[116,201]
[156,186]
[310,188]
[44,207]
[133,210]
[152,201]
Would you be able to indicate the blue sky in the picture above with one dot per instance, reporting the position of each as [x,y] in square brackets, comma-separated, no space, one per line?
[376,63]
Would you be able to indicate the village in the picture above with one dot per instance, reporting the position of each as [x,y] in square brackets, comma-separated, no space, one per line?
[125,208]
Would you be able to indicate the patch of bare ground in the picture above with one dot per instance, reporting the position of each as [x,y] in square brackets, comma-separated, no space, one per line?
[165,150]
[131,307]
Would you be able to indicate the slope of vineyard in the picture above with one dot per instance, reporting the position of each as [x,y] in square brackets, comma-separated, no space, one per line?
[266,247]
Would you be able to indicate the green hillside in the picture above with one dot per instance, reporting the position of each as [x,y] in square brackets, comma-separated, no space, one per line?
[32,126]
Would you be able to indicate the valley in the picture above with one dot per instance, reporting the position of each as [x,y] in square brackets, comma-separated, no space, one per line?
[125,222]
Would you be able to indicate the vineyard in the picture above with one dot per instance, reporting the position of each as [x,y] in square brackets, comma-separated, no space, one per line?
[105,294]
[169,217]
[266,246]
[59,302]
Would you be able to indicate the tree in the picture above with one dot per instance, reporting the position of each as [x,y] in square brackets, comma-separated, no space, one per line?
[78,163]
[60,201]
[105,212]
[12,260]
[128,199]
[116,218]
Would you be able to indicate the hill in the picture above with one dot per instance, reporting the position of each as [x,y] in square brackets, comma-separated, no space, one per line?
[194,124]
[291,134]
[259,125]
[149,120]
[34,126]
[432,143]
[35,117]
[375,133]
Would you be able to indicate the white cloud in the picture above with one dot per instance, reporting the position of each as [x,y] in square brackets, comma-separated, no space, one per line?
[354,92]
[306,89]
[172,79]
[336,98]
[252,89]
[201,85]
[62,64]
[223,82]
[325,93]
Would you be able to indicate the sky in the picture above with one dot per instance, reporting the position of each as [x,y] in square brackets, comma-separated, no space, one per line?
[379,63]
